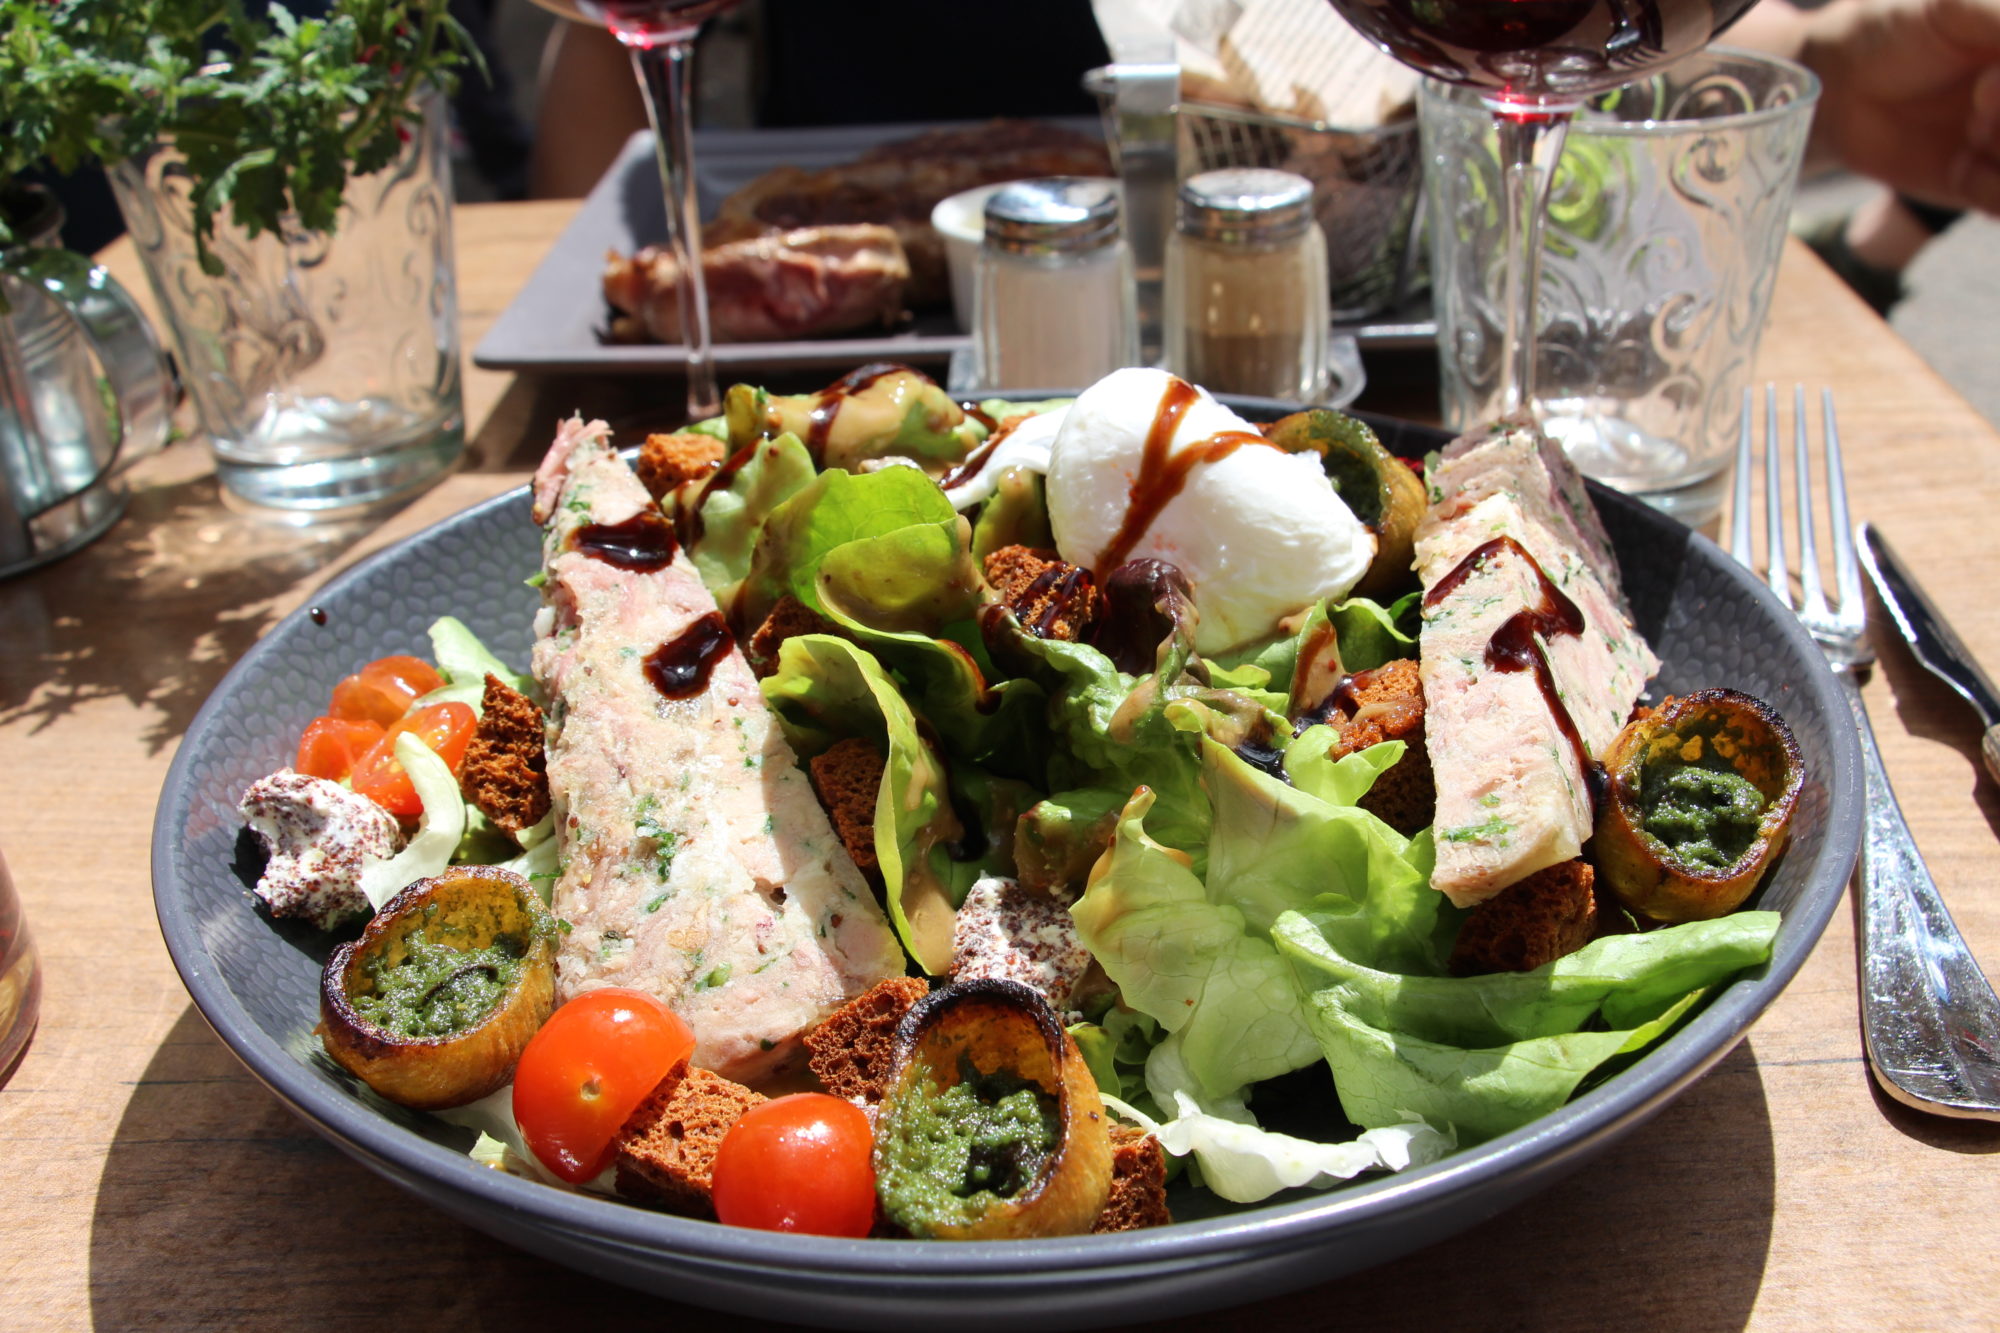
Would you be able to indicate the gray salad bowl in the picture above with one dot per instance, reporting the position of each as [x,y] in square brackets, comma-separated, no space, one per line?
[255,980]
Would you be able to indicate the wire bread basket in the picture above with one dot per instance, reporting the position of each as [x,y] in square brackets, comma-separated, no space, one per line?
[1366,184]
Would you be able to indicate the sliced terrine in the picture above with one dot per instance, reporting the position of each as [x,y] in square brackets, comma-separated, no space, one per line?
[697,864]
[1530,661]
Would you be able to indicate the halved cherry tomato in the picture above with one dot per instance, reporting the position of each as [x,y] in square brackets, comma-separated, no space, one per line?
[798,1163]
[383,690]
[587,1069]
[330,747]
[378,775]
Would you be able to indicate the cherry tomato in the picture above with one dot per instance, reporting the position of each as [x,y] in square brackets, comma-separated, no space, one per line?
[798,1163]
[330,747]
[383,691]
[379,775]
[587,1069]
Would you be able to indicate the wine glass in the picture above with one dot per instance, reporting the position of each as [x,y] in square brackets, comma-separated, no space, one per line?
[20,978]
[1533,62]
[660,34]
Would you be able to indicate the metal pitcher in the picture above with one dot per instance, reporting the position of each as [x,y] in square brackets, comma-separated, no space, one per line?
[84,389]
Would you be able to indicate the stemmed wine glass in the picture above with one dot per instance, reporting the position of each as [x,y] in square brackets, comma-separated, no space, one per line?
[660,36]
[1533,62]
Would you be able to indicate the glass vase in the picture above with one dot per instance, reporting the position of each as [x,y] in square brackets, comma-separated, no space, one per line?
[324,367]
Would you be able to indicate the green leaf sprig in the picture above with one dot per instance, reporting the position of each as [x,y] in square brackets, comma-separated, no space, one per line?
[273,113]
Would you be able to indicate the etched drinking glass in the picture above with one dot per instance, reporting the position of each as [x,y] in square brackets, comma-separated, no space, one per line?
[1666,220]
[324,367]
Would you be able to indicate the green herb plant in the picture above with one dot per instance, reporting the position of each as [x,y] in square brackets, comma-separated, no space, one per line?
[272,112]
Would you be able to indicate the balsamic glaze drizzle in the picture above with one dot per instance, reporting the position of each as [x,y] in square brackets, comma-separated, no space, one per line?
[1516,647]
[642,543]
[1162,475]
[680,669]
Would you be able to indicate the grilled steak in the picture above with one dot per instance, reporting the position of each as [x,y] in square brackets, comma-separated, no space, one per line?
[768,288]
[697,864]
[1530,660]
[898,183]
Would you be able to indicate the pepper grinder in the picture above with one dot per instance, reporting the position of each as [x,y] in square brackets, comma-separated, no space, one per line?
[1247,307]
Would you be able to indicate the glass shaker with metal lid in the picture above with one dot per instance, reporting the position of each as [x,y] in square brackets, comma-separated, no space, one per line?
[1246,300]
[1054,304]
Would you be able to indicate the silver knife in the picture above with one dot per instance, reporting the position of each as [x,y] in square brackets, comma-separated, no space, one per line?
[1931,638]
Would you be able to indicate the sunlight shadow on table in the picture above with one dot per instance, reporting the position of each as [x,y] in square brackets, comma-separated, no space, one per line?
[176,591]
[1687,1197]
[209,1174]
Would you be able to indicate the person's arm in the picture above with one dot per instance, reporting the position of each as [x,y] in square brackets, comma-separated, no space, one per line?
[1911,90]
[589,105]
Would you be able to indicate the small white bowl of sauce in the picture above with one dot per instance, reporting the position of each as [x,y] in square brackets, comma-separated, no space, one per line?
[961,220]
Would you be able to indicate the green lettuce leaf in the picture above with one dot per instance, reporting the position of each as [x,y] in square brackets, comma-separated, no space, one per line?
[733,504]
[1002,408]
[1484,1055]
[464,663]
[1368,633]
[885,556]
[1191,964]
[1278,848]
[716,428]
[1244,1164]
[899,511]
[1059,839]
[440,825]
[1017,514]
[1115,733]
[1371,634]
[1115,1048]
[826,689]
[1194,952]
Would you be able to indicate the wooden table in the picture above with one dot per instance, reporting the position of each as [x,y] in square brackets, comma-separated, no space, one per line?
[146,1179]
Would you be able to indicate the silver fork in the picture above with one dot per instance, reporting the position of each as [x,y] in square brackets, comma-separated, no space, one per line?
[1928,1015]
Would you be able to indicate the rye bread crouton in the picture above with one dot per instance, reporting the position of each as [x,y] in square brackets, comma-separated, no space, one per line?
[1052,598]
[665,1154]
[666,461]
[1551,913]
[847,778]
[506,773]
[852,1049]
[1138,1195]
[789,618]
[1387,704]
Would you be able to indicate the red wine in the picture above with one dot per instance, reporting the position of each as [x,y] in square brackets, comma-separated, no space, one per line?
[1538,51]
[643,21]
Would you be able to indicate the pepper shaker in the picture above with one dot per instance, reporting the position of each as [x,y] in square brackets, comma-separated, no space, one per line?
[1247,306]
[1054,288]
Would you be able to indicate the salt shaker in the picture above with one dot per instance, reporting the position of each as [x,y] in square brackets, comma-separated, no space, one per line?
[1246,301]
[1054,291]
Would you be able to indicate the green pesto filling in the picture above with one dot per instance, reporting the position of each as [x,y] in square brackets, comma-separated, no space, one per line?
[437,990]
[945,1157]
[1706,816]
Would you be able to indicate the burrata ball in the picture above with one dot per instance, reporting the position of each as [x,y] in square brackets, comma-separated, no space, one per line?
[1259,533]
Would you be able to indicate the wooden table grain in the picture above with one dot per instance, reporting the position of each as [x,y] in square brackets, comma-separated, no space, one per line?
[146,1179]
